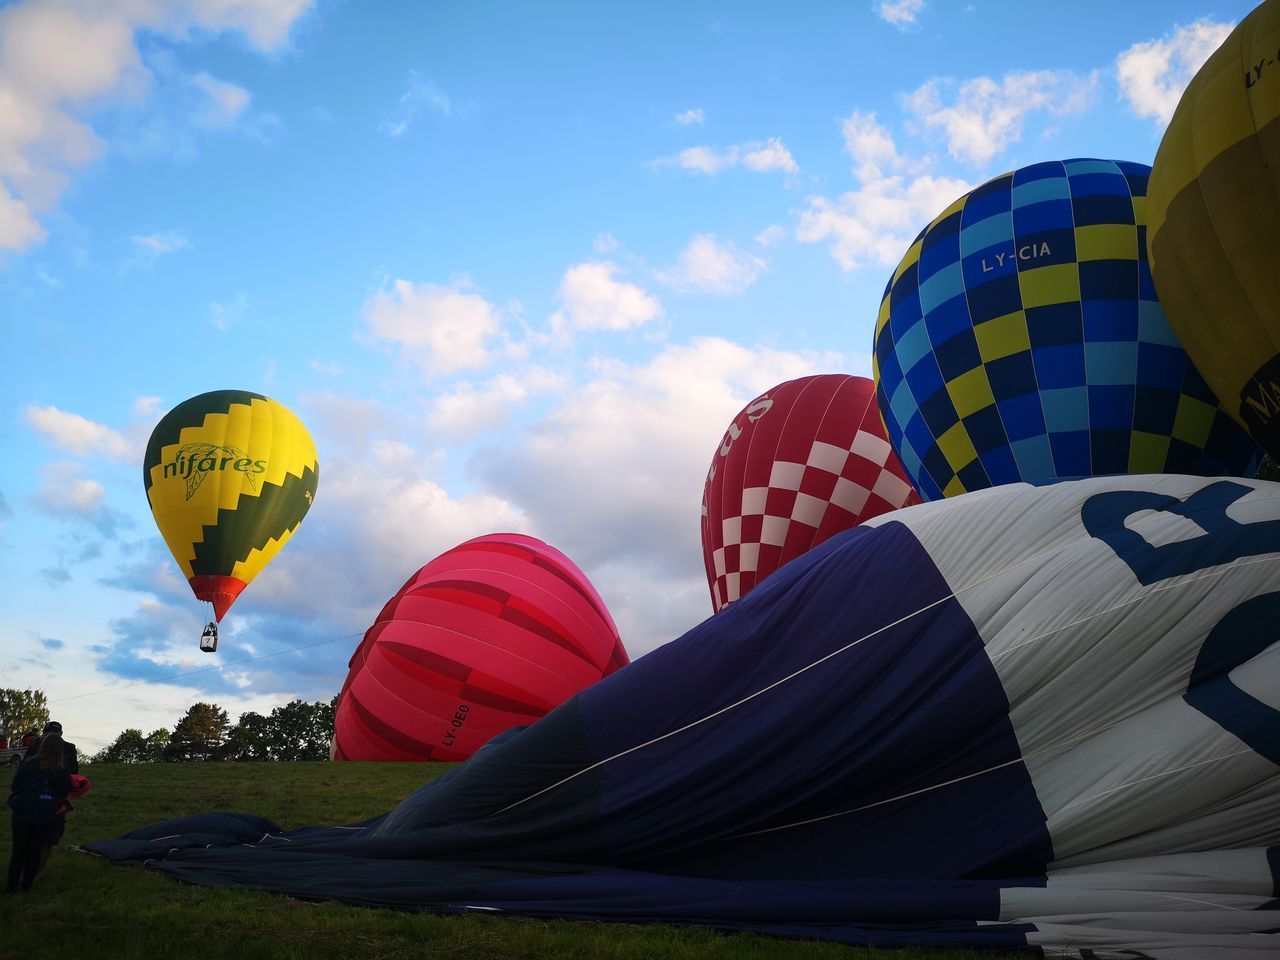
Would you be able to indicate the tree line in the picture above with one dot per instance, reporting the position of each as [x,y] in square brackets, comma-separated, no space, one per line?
[297,730]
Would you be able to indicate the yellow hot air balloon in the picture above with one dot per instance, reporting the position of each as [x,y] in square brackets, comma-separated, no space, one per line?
[229,475]
[1213,209]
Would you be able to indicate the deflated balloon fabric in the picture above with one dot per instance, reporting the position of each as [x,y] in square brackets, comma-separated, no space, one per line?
[1028,717]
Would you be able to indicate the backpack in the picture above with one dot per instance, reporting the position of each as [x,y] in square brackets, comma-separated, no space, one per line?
[36,802]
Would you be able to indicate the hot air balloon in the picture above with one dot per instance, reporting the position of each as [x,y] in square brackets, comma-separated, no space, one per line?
[229,476]
[1213,210]
[1032,718]
[1020,339]
[490,635]
[799,463]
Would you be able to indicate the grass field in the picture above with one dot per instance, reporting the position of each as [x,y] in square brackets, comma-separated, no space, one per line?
[88,908]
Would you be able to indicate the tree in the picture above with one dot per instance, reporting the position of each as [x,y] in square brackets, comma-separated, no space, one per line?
[157,741]
[297,730]
[251,738]
[22,710]
[1269,469]
[302,730]
[129,747]
[199,735]
[132,747]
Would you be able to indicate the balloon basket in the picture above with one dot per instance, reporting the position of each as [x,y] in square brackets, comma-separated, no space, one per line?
[209,638]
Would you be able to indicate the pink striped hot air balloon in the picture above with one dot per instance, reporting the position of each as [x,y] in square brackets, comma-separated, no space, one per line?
[490,635]
[798,464]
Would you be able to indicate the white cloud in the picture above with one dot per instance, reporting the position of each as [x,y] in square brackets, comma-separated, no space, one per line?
[56,58]
[157,640]
[330,368]
[871,147]
[18,228]
[148,408]
[224,316]
[153,245]
[185,109]
[771,235]
[65,490]
[711,267]
[765,156]
[707,160]
[420,92]
[901,13]
[75,434]
[406,502]
[605,243]
[443,329]
[690,117]
[227,101]
[267,23]
[986,116]
[591,299]
[896,196]
[613,475]
[468,412]
[1152,75]
[381,512]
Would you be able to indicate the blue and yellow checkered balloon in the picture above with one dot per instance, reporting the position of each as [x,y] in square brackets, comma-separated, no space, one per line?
[1020,339]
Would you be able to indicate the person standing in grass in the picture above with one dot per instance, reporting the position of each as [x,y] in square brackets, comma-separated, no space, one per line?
[39,788]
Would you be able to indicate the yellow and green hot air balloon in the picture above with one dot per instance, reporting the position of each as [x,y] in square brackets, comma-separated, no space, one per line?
[1213,209]
[229,475]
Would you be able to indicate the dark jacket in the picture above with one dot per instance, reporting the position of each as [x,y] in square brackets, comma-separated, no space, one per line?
[70,760]
[30,775]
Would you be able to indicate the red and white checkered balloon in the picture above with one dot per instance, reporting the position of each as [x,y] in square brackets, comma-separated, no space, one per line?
[798,464]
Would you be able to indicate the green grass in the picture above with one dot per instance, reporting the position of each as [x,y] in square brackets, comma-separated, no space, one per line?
[86,907]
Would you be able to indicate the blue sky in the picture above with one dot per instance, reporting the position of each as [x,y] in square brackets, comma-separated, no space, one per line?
[515,265]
